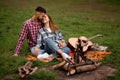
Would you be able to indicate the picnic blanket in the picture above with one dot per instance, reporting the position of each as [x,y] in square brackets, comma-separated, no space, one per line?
[94,55]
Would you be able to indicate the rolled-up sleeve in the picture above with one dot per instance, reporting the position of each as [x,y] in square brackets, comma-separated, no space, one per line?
[22,36]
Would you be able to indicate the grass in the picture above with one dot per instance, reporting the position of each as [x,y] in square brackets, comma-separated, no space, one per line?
[74,18]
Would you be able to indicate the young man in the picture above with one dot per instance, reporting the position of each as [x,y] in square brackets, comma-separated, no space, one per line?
[30,29]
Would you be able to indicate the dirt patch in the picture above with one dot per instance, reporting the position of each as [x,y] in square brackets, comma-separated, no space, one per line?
[99,74]
[8,76]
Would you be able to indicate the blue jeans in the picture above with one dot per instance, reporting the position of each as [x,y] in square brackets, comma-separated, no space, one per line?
[51,48]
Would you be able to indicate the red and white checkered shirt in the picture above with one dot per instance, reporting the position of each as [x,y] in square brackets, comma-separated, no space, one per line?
[29,31]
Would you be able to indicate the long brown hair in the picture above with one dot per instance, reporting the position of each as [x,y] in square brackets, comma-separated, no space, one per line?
[53,27]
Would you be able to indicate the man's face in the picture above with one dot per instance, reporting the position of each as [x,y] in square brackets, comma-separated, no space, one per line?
[39,15]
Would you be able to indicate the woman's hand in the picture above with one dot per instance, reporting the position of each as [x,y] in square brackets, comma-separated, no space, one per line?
[61,44]
[36,51]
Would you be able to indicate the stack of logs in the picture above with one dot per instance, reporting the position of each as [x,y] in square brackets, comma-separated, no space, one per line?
[76,68]
[27,69]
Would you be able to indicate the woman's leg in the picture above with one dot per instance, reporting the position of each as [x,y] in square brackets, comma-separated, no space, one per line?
[65,50]
[39,51]
[50,46]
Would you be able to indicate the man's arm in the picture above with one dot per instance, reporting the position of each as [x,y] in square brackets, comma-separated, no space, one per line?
[22,36]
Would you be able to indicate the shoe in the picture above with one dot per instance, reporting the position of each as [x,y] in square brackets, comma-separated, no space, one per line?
[65,56]
[44,55]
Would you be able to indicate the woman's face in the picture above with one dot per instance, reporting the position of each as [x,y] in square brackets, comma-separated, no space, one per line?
[45,19]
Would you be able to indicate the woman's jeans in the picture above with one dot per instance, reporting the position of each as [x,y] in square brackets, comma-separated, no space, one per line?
[51,48]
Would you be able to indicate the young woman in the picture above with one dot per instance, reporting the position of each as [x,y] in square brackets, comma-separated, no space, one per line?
[50,40]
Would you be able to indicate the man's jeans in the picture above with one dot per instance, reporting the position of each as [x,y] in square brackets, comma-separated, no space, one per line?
[51,48]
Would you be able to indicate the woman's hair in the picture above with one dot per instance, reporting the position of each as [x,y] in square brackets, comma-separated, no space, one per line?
[53,27]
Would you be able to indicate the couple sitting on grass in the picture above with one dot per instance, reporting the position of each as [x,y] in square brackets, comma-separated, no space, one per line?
[44,38]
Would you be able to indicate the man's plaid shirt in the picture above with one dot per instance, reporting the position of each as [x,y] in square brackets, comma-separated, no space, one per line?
[44,33]
[29,31]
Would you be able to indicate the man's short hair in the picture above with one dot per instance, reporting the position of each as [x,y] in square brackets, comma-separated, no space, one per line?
[40,9]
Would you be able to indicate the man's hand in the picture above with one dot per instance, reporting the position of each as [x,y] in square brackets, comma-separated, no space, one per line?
[61,44]
[15,55]
[36,51]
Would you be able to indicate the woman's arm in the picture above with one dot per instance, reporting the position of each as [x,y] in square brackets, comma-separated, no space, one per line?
[39,39]
[61,39]
[38,45]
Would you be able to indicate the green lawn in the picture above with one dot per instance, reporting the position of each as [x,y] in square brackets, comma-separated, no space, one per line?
[74,18]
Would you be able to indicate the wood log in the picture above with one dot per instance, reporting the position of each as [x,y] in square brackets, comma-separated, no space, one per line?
[65,67]
[81,64]
[21,72]
[86,68]
[83,68]
[27,66]
[59,65]
[33,70]
[71,71]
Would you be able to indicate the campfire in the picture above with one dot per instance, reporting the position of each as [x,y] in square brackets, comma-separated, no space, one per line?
[85,57]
